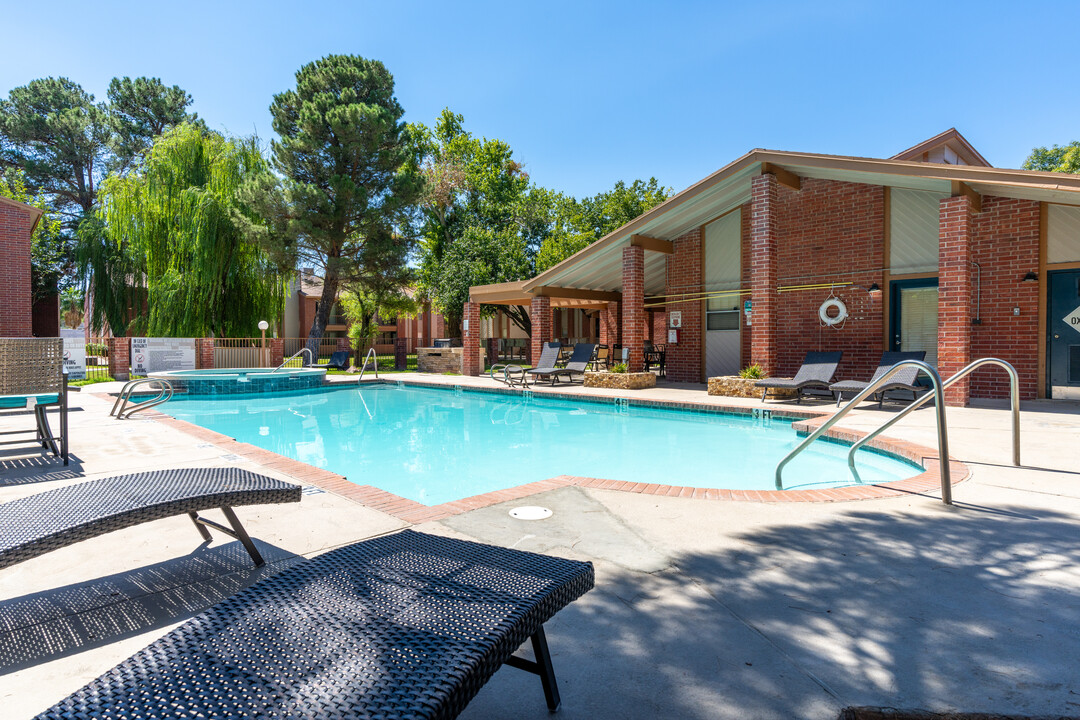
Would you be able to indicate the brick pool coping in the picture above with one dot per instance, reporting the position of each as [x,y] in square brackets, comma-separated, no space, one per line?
[805,420]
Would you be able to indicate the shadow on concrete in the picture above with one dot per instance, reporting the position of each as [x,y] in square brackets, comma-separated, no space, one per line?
[27,466]
[67,620]
[966,610]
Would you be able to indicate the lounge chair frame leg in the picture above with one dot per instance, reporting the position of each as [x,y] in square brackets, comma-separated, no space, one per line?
[236,532]
[542,667]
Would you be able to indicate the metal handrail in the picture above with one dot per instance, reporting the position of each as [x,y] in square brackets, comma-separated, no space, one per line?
[301,351]
[942,427]
[165,393]
[375,360]
[1014,398]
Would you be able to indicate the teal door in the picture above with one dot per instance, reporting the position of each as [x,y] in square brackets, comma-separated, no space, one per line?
[1063,327]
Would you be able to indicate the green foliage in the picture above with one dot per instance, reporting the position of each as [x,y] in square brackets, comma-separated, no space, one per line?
[170,224]
[752,372]
[139,111]
[1064,159]
[620,368]
[345,179]
[48,248]
[365,304]
[97,350]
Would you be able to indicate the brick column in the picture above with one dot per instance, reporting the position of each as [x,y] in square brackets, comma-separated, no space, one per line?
[684,277]
[471,363]
[277,351]
[204,351]
[540,315]
[609,324]
[955,294]
[401,354]
[16,310]
[633,306]
[765,279]
[119,357]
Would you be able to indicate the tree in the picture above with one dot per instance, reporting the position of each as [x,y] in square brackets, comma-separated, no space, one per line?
[365,303]
[48,251]
[346,181]
[170,226]
[139,111]
[72,306]
[1065,159]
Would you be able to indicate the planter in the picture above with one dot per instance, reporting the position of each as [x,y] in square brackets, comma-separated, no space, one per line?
[620,381]
[735,386]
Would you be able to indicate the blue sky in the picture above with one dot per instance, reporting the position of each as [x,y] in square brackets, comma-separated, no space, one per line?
[588,93]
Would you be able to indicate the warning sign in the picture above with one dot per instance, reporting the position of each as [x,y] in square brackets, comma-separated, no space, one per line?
[1073,319]
[161,354]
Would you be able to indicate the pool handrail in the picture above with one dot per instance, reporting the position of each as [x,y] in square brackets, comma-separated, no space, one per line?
[165,393]
[374,359]
[1014,400]
[301,351]
[942,427]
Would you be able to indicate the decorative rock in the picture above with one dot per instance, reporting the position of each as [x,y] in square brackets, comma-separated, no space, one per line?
[735,386]
[620,381]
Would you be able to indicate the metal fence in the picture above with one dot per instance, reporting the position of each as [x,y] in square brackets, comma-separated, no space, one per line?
[97,360]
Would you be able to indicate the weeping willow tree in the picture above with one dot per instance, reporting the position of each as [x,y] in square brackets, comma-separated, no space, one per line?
[168,230]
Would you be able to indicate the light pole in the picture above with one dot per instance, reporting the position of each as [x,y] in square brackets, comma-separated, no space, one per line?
[263,325]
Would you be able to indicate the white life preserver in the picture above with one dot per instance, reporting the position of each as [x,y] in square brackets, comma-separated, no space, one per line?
[841,312]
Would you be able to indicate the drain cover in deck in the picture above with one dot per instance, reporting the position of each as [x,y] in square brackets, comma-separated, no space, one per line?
[530,512]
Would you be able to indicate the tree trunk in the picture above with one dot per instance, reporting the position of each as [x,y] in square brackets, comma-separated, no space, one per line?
[322,315]
[519,315]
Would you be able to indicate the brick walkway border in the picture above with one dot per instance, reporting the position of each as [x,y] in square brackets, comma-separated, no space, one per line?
[411,511]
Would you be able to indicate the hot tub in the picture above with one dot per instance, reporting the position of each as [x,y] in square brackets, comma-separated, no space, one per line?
[242,380]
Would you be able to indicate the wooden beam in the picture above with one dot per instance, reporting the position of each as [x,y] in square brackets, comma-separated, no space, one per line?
[500,298]
[553,291]
[784,177]
[962,188]
[655,244]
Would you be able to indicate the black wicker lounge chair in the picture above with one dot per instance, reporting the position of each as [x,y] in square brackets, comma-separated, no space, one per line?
[403,626]
[38,524]
[816,373]
[339,360]
[576,365]
[32,377]
[549,358]
[904,379]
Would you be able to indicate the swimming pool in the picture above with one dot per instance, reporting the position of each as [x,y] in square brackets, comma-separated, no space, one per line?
[239,381]
[436,445]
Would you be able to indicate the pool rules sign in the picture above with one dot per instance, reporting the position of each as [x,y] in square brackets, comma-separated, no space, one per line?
[160,354]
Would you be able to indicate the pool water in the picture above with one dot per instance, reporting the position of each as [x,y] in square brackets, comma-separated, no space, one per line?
[436,445]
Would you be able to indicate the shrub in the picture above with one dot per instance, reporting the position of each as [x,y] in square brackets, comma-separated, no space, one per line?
[619,368]
[96,350]
[752,372]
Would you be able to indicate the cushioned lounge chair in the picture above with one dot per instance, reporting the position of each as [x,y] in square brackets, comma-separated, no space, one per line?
[339,360]
[816,373]
[40,523]
[403,626]
[904,379]
[576,365]
[32,377]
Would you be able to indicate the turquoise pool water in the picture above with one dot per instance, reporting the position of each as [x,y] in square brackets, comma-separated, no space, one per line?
[436,445]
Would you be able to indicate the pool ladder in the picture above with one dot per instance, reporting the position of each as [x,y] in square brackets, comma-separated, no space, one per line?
[295,355]
[165,393]
[375,361]
[942,426]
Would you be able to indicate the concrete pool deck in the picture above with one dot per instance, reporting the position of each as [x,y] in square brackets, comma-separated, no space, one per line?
[701,610]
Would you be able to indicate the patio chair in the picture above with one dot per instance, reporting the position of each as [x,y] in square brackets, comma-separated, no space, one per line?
[32,377]
[340,360]
[904,379]
[40,523]
[549,357]
[816,373]
[602,357]
[576,365]
[407,625]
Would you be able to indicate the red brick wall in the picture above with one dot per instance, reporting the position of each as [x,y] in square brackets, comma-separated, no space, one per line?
[470,353]
[659,327]
[540,316]
[15,298]
[119,349]
[1007,246]
[46,317]
[747,282]
[764,240]
[204,354]
[609,324]
[683,360]
[633,306]
[955,293]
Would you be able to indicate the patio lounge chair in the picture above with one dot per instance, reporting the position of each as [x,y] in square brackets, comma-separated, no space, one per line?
[549,357]
[41,523]
[904,379]
[339,360]
[816,372]
[402,626]
[32,377]
[576,365]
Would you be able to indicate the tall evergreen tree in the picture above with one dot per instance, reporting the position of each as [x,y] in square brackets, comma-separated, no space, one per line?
[346,186]
[139,111]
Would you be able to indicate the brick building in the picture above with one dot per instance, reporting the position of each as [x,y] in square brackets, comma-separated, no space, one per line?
[17,223]
[932,249]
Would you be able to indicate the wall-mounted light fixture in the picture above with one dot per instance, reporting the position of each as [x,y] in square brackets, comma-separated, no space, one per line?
[1031,276]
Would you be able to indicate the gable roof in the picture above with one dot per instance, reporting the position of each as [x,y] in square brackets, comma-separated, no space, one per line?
[951,139]
[35,213]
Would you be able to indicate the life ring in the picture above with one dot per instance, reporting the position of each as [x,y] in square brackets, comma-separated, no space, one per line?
[841,311]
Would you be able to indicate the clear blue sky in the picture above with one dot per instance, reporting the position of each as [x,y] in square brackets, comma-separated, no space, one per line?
[588,93]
